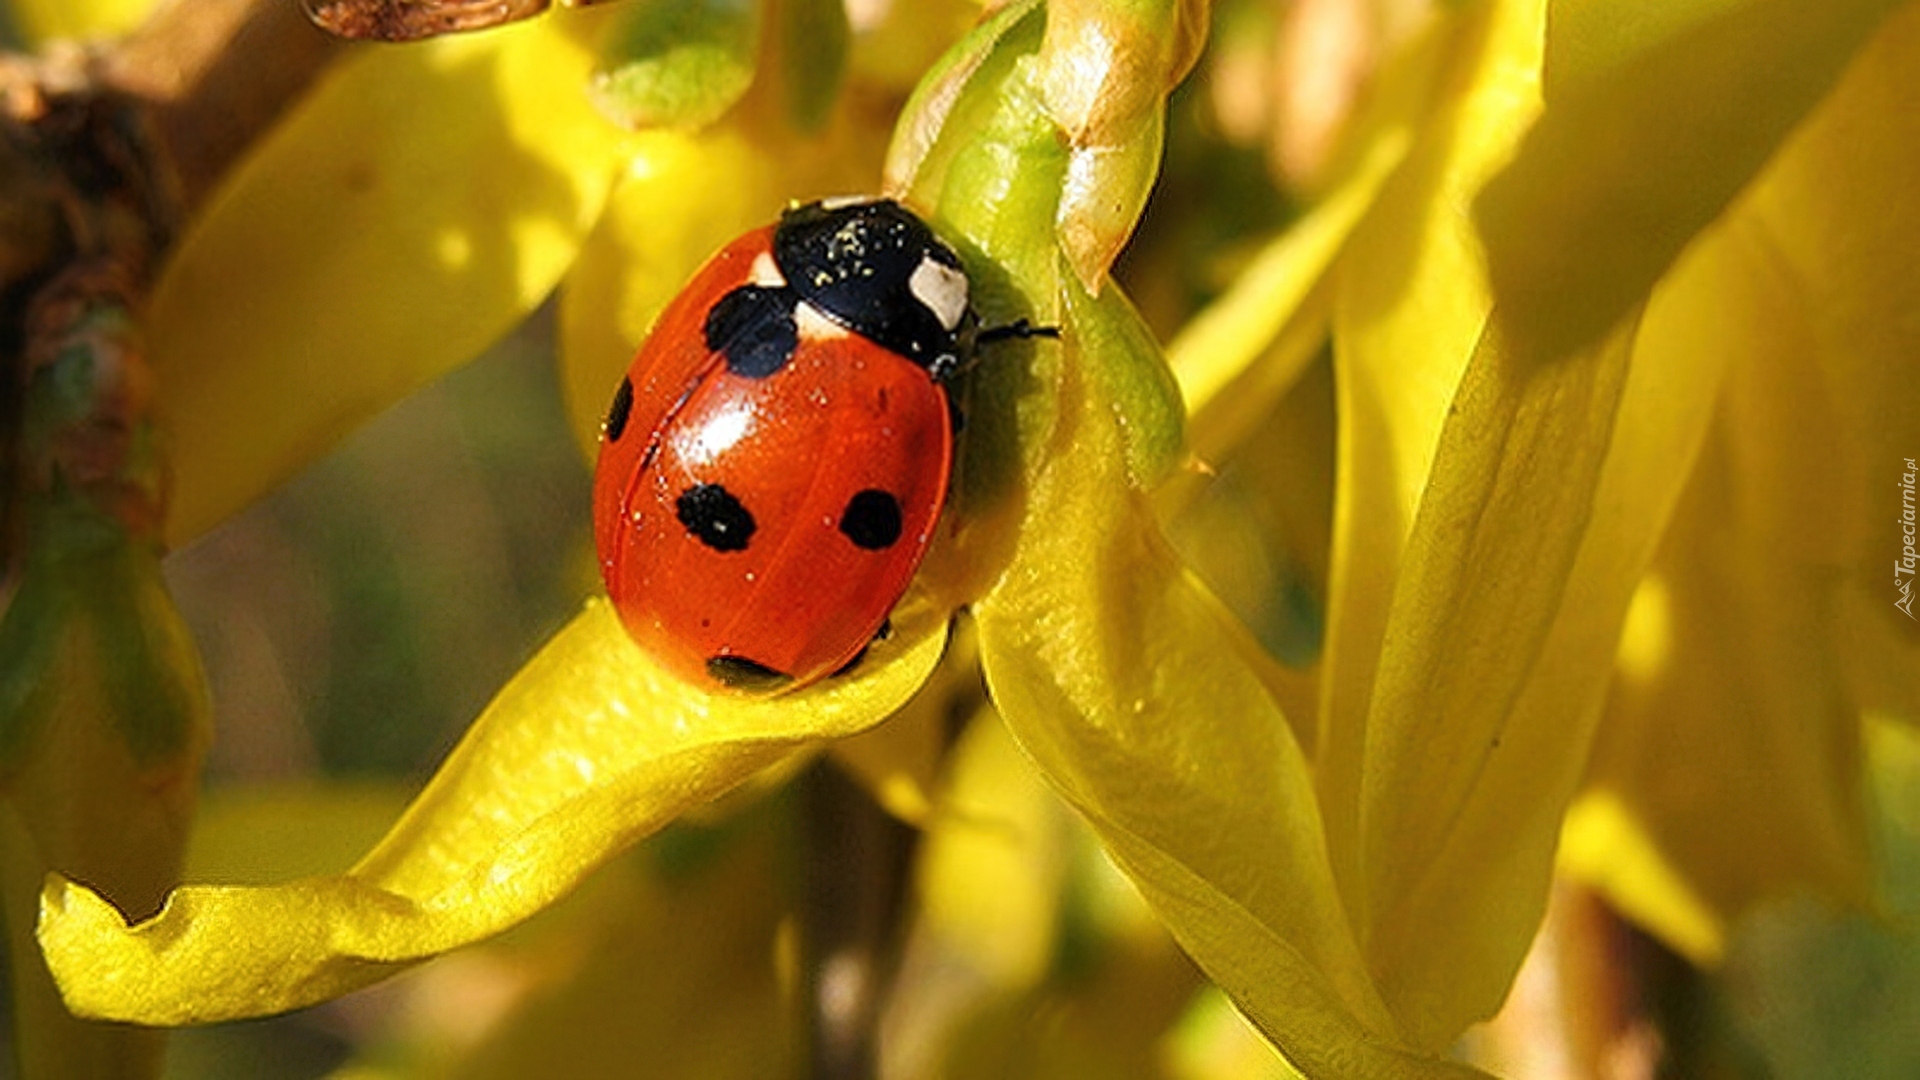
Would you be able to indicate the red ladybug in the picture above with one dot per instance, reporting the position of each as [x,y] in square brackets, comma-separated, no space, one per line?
[775,460]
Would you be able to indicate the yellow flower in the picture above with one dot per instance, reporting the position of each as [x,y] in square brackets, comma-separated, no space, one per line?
[1577,274]
[1767,618]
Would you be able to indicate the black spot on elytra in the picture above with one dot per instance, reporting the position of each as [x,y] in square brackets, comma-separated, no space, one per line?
[872,519]
[741,673]
[622,406]
[753,327]
[714,516]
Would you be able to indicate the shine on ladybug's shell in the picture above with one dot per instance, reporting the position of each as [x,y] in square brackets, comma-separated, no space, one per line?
[774,462]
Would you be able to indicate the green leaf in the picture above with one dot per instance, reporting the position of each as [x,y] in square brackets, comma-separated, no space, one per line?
[32,632]
[812,53]
[148,660]
[676,63]
[89,589]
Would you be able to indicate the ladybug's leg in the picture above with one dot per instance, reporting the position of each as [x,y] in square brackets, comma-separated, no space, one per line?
[1018,328]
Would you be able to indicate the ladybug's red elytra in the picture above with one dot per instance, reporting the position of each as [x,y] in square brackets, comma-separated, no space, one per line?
[775,460]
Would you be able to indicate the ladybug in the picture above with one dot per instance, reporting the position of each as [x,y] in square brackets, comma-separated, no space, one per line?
[775,460]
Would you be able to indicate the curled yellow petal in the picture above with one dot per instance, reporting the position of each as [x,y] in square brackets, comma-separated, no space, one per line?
[1148,708]
[903,762]
[415,207]
[589,748]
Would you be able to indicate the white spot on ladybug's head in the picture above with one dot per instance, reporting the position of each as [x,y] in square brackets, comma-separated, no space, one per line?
[815,326]
[765,271]
[942,289]
[841,202]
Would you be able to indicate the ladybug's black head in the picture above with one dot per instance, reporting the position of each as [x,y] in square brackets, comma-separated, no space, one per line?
[876,269]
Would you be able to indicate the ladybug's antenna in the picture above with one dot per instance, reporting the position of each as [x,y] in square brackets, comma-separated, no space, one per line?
[1019,328]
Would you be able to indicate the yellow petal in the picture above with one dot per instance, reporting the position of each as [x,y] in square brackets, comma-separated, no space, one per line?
[990,877]
[1733,743]
[1257,534]
[258,834]
[902,762]
[1658,113]
[586,750]
[40,21]
[1410,307]
[1739,757]
[1487,567]
[1489,689]
[1488,682]
[1605,846]
[1833,209]
[1235,358]
[1214,1042]
[669,960]
[1143,703]
[416,206]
